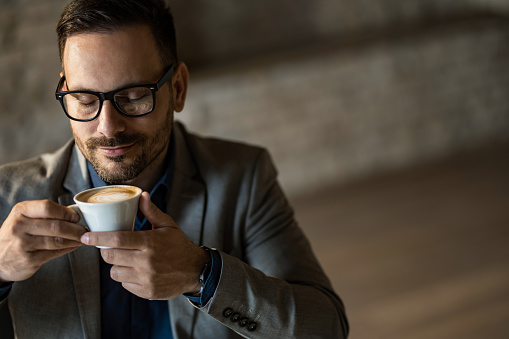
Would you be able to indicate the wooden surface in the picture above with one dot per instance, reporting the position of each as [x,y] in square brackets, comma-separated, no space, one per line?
[422,253]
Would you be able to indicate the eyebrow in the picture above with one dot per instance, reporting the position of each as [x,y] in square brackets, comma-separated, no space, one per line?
[129,84]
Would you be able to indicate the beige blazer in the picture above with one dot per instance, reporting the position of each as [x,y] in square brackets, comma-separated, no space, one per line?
[223,195]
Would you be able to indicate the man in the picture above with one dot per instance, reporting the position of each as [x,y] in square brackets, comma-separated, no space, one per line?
[216,250]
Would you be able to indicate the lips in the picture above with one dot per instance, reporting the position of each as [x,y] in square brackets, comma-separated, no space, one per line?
[115,151]
[116,147]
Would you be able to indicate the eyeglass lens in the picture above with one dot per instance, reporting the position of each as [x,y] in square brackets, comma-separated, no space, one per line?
[132,101]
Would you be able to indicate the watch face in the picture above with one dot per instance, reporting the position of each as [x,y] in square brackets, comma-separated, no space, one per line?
[205,272]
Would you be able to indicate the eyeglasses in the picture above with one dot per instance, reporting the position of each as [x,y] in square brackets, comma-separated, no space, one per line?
[132,101]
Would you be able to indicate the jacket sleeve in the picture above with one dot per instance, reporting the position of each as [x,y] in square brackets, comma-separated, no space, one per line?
[277,289]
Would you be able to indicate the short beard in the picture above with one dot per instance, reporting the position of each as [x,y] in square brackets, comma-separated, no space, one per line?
[124,172]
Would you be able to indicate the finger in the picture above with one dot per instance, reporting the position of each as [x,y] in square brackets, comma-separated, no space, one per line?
[153,214]
[46,209]
[120,257]
[44,256]
[124,274]
[116,239]
[137,290]
[142,291]
[54,228]
[38,243]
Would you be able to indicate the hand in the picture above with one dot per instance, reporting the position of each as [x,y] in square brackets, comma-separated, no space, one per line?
[159,264]
[34,233]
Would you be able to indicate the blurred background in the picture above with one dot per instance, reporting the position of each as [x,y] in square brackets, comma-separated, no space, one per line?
[388,121]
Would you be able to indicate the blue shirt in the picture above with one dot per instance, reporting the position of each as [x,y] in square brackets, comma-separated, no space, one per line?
[125,315]
[4,289]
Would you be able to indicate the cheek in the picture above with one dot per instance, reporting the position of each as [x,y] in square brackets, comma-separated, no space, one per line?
[74,129]
[81,131]
[161,117]
[164,103]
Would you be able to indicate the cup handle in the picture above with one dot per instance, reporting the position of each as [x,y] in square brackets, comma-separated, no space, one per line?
[82,221]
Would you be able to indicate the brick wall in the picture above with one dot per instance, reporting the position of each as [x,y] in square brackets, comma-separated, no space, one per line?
[30,117]
[335,89]
[342,113]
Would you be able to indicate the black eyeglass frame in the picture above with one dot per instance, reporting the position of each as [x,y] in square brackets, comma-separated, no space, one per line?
[103,96]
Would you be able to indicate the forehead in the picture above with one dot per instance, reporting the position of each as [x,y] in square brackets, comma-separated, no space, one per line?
[104,61]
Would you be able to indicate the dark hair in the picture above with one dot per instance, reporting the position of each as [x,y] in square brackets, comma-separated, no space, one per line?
[102,16]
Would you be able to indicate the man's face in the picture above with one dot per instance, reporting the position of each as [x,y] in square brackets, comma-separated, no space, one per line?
[120,148]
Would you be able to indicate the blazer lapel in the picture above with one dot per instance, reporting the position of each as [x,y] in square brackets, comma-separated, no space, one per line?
[186,205]
[85,274]
[85,260]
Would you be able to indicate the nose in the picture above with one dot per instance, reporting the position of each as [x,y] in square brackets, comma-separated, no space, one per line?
[111,122]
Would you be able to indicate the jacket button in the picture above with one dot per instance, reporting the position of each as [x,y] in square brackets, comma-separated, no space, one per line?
[235,317]
[243,322]
[252,326]
[227,312]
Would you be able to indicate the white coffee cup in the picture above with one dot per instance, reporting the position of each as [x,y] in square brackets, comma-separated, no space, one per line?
[108,208]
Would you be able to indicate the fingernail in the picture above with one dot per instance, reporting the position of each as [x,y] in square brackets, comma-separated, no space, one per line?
[85,239]
[75,218]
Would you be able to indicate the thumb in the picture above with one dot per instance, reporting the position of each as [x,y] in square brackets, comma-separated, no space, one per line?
[153,214]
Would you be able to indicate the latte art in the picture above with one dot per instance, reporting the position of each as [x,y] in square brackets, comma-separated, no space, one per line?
[109,194]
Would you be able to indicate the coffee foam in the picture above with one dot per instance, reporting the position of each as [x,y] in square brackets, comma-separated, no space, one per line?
[109,194]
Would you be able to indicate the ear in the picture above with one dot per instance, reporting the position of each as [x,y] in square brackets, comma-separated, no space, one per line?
[64,87]
[179,82]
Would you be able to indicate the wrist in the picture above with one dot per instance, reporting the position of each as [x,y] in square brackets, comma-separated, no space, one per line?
[201,272]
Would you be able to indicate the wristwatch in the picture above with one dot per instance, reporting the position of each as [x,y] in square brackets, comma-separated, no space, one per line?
[205,272]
